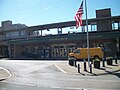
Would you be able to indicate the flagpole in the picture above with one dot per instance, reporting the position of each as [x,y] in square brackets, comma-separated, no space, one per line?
[88,50]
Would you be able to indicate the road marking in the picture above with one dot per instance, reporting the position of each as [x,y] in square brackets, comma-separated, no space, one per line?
[60,68]
[73,88]
[37,67]
[20,83]
[55,87]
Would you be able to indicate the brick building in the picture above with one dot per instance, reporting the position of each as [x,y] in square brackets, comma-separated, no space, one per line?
[29,42]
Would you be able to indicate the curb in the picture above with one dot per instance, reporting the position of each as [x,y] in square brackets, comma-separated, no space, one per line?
[4,74]
[65,68]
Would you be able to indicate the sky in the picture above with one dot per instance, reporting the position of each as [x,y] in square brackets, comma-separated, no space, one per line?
[39,12]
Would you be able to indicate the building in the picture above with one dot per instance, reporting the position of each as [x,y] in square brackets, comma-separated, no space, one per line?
[7,25]
[6,33]
[30,42]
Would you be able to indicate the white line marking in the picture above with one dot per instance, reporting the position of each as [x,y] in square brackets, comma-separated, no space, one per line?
[37,67]
[60,69]
[55,87]
[73,88]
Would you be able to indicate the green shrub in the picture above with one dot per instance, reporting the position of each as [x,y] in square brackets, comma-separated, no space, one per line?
[109,57]
[109,60]
[97,63]
[96,60]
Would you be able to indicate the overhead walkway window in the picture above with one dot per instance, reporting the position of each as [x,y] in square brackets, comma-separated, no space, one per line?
[115,25]
[93,27]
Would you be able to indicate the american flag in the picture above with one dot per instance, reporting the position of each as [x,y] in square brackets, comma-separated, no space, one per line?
[78,16]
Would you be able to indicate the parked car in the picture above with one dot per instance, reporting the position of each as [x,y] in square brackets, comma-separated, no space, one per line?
[82,53]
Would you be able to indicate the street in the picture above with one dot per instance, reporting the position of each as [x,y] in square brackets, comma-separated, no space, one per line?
[44,75]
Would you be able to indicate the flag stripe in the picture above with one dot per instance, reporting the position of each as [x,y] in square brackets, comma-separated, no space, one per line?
[78,16]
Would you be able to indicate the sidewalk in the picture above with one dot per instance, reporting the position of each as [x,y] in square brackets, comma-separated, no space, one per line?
[108,69]
[4,74]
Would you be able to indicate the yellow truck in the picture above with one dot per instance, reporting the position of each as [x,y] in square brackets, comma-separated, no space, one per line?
[82,53]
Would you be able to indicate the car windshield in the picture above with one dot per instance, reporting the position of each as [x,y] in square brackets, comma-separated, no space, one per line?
[77,51]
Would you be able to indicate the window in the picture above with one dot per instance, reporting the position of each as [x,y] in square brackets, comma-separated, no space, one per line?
[23,33]
[93,27]
[115,25]
[12,34]
[77,51]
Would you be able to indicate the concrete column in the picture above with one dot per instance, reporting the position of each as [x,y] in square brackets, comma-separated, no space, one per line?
[83,28]
[91,27]
[41,33]
[59,31]
[14,51]
[117,44]
[37,32]
[119,25]
[9,49]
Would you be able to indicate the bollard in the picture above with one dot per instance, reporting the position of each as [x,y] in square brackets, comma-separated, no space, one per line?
[85,65]
[103,62]
[116,61]
[90,68]
[91,59]
[78,68]
[75,63]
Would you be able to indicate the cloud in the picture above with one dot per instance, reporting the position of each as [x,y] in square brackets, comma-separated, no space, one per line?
[47,8]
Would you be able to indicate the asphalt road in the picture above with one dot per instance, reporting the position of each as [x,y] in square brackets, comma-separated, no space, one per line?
[44,75]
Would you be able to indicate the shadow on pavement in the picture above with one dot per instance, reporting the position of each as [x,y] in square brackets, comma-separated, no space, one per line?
[117,74]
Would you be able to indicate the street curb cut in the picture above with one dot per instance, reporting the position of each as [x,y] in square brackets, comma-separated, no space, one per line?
[5,71]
